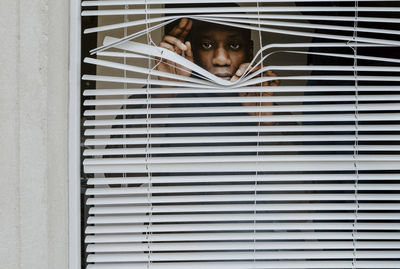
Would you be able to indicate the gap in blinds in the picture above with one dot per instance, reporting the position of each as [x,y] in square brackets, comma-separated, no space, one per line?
[245,134]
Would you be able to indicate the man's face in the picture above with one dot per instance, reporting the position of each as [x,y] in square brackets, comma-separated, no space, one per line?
[222,50]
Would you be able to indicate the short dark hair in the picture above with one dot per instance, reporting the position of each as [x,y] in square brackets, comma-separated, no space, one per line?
[168,28]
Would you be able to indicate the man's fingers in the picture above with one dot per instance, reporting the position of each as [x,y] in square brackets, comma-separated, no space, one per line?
[267,94]
[186,30]
[177,30]
[182,70]
[189,52]
[242,68]
[167,46]
[240,71]
[182,29]
[255,68]
[271,74]
[176,42]
[273,82]
[234,78]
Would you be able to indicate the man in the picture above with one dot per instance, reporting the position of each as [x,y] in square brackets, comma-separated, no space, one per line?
[224,51]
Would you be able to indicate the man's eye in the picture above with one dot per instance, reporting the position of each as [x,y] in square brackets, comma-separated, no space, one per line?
[235,46]
[206,45]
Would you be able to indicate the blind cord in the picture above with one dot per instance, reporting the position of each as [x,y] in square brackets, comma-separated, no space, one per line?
[124,175]
[258,143]
[356,134]
[148,138]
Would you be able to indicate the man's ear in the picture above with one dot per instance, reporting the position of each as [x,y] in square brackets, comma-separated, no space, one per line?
[250,51]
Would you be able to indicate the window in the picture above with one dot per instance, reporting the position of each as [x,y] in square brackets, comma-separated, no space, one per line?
[241,134]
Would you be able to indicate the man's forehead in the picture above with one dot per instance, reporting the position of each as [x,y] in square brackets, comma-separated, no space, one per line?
[201,30]
[204,26]
[235,34]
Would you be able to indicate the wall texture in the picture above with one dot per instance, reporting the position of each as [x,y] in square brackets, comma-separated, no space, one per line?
[33,131]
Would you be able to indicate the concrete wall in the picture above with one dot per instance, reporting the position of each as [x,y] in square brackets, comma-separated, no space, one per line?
[33,134]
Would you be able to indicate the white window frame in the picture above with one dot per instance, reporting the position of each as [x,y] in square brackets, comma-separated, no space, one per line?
[74,139]
[74,244]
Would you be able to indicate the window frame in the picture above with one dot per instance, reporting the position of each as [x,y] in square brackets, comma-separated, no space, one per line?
[75,138]
[74,234]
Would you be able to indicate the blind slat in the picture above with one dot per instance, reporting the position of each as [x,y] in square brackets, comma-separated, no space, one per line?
[141,2]
[241,207]
[242,188]
[243,178]
[222,246]
[276,228]
[336,264]
[234,236]
[239,198]
[240,217]
[237,139]
[259,255]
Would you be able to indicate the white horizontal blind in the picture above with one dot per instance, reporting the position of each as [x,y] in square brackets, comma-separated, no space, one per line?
[208,173]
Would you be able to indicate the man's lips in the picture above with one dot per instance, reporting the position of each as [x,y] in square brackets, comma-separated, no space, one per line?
[224,76]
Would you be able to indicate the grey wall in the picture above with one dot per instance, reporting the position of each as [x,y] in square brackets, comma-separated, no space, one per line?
[33,133]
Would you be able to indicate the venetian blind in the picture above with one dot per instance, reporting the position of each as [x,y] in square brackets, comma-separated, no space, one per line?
[201,172]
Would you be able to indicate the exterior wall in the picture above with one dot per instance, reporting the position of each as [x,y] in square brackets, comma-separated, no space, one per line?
[33,131]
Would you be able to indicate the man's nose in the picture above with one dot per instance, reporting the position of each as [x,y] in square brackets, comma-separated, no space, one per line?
[221,57]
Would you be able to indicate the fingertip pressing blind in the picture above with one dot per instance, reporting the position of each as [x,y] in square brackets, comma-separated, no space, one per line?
[294,163]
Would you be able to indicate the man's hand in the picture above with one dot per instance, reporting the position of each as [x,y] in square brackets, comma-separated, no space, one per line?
[174,41]
[242,68]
